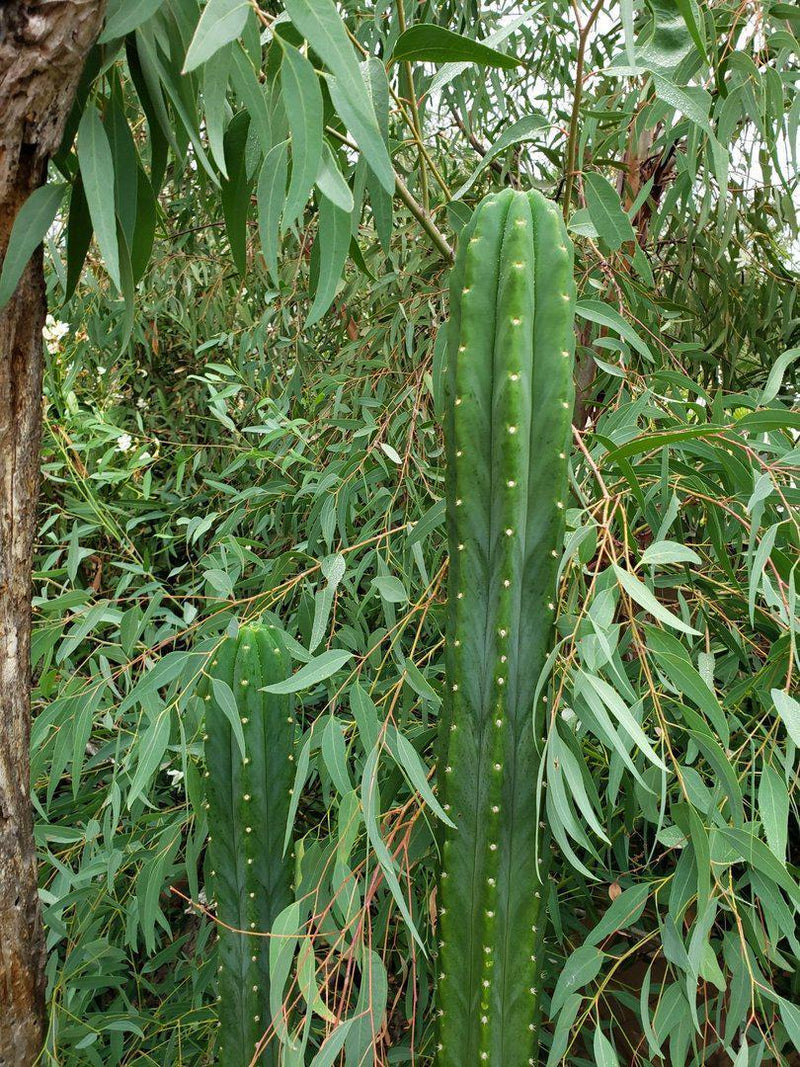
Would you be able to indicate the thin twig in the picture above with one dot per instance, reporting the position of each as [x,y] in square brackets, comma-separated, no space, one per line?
[572,143]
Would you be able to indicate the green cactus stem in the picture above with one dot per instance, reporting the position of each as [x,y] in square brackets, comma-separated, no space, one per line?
[509,399]
[248,805]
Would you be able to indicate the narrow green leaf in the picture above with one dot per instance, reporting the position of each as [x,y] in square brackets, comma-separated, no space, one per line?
[427,43]
[790,1017]
[648,442]
[331,182]
[563,1026]
[34,219]
[216,74]
[581,967]
[407,759]
[79,235]
[757,854]
[759,562]
[380,199]
[621,712]
[688,104]
[691,684]
[669,552]
[303,101]
[122,16]
[420,684]
[145,229]
[334,753]
[332,1045]
[236,188]
[789,710]
[282,944]
[605,211]
[773,810]
[333,239]
[775,378]
[270,195]
[626,909]
[315,671]
[431,520]
[366,715]
[604,1054]
[223,695]
[449,71]
[220,22]
[165,671]
[322,26]
[645,599]
[577,788]
[370,800]
[97,171]
[391,589]
[524,129]
[151,749]
[605,315]
[693,17]
[365,132]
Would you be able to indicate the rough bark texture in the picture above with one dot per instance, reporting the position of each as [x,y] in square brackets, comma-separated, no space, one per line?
[43,46]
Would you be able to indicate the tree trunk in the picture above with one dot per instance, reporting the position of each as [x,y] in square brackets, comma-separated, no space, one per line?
[43,45]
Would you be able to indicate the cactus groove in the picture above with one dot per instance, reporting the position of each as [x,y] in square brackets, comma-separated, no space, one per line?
[248,805]
[509,398]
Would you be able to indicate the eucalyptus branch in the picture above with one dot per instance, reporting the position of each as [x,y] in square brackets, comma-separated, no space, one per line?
[422,216]
[401,17]
[409,121]
[424,219]
[572,143]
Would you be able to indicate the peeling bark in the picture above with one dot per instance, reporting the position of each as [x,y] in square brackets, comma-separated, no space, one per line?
[43,46]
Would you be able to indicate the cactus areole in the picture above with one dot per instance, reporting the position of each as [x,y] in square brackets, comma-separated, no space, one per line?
[509,398]
[248,805]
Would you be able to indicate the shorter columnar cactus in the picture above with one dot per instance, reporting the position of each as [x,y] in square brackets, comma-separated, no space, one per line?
[248,805]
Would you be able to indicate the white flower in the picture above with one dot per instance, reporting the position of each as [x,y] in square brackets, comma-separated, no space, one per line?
[124,442]
[101,371]
[52,332]
[174,776]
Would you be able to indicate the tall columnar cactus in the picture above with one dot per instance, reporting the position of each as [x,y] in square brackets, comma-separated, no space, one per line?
[248,804]
[508,410]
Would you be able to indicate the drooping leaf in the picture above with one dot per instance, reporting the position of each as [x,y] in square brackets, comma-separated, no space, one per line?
[581,967]
[30,226]
[333,239]
[223,695]
[645,599]
[427,43]
[773,810]
[320,24]
[605,210]
[221,21]
[314,672]
[524,129]
[304,110]
[151,749]
[97,172]
[331,182]
[789,710]
[270,194]
[122,16]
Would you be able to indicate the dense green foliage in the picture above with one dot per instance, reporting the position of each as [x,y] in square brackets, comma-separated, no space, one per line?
[508,408]
[230,434]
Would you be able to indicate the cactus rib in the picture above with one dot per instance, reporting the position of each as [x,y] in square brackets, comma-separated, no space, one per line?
[248,805]
[509,398]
